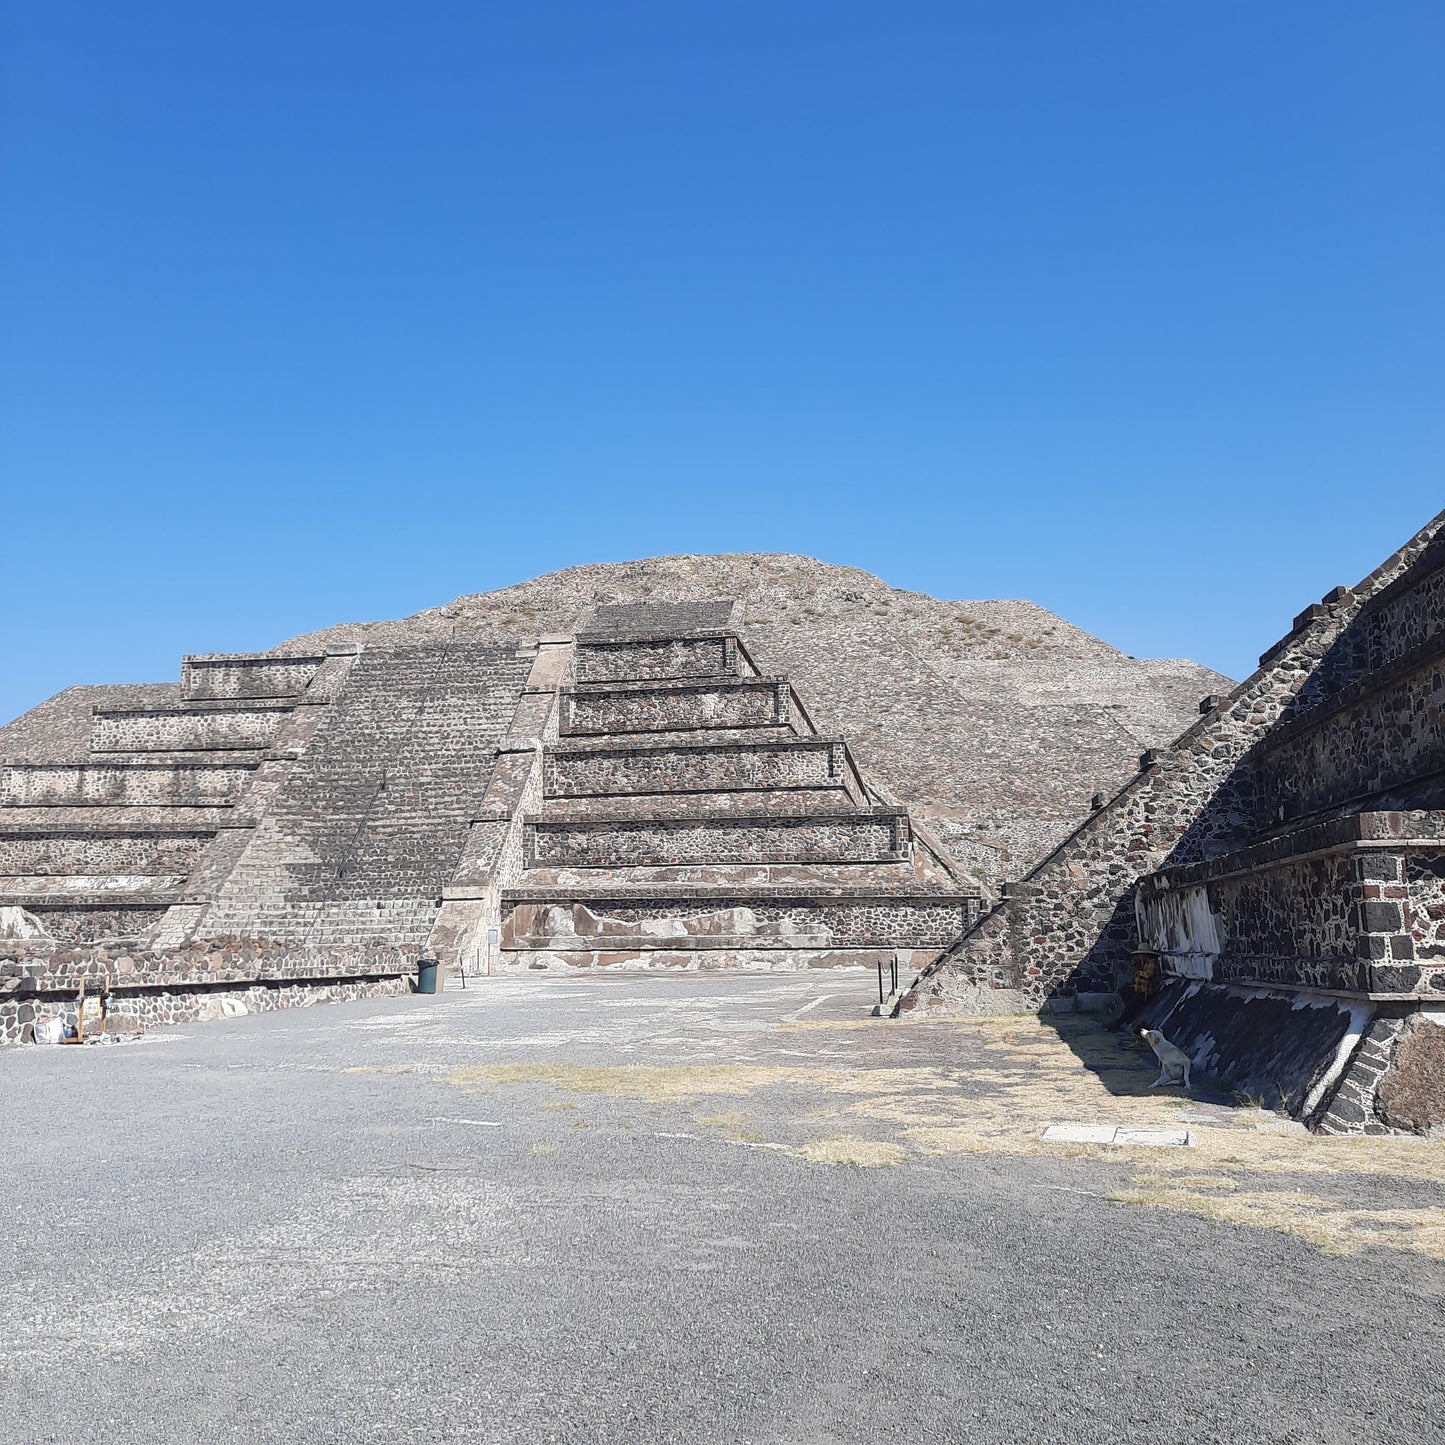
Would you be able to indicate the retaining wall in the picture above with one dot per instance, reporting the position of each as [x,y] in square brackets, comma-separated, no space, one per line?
[40,979]
[792,763]
[177,729]
[877,837]
[745,702]
[624,661]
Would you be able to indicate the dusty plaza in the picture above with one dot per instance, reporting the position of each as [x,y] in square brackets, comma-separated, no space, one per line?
[644,1208]
[726,999]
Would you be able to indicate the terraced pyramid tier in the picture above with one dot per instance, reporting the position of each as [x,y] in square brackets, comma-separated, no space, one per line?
[104,844]
[693,817]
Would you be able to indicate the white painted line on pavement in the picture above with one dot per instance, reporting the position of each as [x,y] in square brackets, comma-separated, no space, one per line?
[822,998]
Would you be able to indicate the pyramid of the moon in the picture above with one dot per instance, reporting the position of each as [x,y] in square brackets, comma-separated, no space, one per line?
[699,762]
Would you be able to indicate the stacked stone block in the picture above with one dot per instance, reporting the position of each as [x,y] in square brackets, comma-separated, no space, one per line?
[106,844]
[692,817]
[1291,846]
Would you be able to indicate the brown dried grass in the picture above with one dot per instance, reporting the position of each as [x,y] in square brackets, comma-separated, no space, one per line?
[1035,1074]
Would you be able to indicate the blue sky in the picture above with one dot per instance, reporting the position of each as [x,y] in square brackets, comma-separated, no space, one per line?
[317,312]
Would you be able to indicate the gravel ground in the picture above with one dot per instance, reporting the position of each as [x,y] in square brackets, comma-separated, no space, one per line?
[586,1210]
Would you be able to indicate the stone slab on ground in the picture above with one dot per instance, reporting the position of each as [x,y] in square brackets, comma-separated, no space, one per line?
[1114,1134]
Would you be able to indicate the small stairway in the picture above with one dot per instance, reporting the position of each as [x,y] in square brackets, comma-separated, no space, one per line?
[692,817]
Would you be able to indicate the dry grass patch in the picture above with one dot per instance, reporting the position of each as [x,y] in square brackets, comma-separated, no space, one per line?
[733,1126]
[1033,1074]
[650,1082]
[1321,1222]
[860,1153]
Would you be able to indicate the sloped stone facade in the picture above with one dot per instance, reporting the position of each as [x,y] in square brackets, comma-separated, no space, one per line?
[1292,841]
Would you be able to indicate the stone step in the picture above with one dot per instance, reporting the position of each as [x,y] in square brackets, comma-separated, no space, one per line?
[703,919]
[127,784]
[579,771]
[579,840]
[673,706]
[179,729]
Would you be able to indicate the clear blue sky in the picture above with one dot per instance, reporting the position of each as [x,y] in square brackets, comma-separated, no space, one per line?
[315,312]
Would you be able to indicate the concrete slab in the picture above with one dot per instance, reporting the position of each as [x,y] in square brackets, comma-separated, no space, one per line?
[1155,1138]
[1113,1134]
[1080,1133]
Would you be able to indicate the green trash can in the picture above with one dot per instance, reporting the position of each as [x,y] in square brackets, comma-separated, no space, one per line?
[426,975]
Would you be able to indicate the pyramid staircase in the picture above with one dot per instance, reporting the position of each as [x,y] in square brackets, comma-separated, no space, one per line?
[693,817]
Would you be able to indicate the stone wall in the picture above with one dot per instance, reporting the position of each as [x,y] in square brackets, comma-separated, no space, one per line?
[177,729]
[579,771]
[1379,740]
[88,853]
[86,923]
[660,657]
[237,675]
[744,702]
[83,784]
[43,978]
[1353,904]
[1407,615]
[581,842]
[709,919]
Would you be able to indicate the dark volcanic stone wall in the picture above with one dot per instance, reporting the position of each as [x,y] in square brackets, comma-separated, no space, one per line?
[1279,742]
[1382,745]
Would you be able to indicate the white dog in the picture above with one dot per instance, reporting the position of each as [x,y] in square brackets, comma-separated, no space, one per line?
[1174,1063]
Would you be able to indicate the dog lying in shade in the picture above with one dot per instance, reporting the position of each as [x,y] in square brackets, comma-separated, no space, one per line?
[1174,1063]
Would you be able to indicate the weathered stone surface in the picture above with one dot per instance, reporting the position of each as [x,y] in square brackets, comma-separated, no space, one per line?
[1203,808]
[1412,1097]
[994,722]
[869,836]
